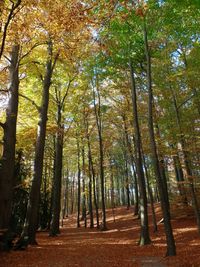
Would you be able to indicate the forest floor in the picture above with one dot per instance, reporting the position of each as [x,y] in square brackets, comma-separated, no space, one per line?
[115,247]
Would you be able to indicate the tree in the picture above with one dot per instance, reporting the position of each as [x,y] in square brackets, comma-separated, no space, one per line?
[31,221]
[144,238]
[98,116]
[171,249]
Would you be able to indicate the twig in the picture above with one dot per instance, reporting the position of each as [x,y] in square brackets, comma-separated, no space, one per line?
[188,99]
[2,125]
[32,101]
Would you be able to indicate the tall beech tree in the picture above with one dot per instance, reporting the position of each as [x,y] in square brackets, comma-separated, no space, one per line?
[31,221]
[144,234]
[57,181]
[171,248]
[99,123]
[79,183]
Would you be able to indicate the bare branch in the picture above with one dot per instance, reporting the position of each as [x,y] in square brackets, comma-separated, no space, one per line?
[31,49]
[2,125]
[7,58]
[56,94]
[4,90]
[30,100]
[67,91]
[40,74]
[55,60]
[188,99]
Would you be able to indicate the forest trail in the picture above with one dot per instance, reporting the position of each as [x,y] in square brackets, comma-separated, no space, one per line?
[115,247]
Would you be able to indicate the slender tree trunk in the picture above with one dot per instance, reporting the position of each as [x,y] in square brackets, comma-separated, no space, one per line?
[31,222]
[84,209]
[101,156]
[94,184]
[44,216]
[144,232]
[127,183]
[162,164]
[123,196]
[196,93]
[128,145]
[72,194]
[95,195]
[150,195]
[171,248]
[180,178]
[55,222]
[136,210]
[7,162]
[90,172]
[79,184]
[118,192]
[90,194]
[65,210]
[187,163]
[112,185]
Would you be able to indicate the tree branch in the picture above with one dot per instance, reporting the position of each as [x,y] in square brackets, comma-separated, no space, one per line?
[10,17]
[2,125]
[55,60]
[4,90]
[188,99]
[32,101]
[31,49]
[67,91]
[40,74]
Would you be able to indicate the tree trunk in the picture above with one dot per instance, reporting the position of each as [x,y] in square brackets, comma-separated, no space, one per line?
[72,195]
[101,155]
[187,163]
[144,233]
[65,204]
[55,222]
[150,195]
[90,173]
[171,248]
[136,210]
[84,209]
[180,178]
[94,185]
[7,179]
[79,184]
[90,194]
[31,222]
[112,185]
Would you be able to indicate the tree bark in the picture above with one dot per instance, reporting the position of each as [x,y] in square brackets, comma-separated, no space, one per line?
[31,222]
[150,195]
[90,172]
[55,222]
[171,248]
[8,158]
[84,209]
[79,184]
[187,163]
[144,232]
[94,184]
[101,155]
[65,204]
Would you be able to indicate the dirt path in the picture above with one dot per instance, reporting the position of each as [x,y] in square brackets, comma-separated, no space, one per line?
[92,248]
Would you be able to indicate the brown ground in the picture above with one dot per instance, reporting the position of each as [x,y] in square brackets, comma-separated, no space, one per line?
[115,247]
